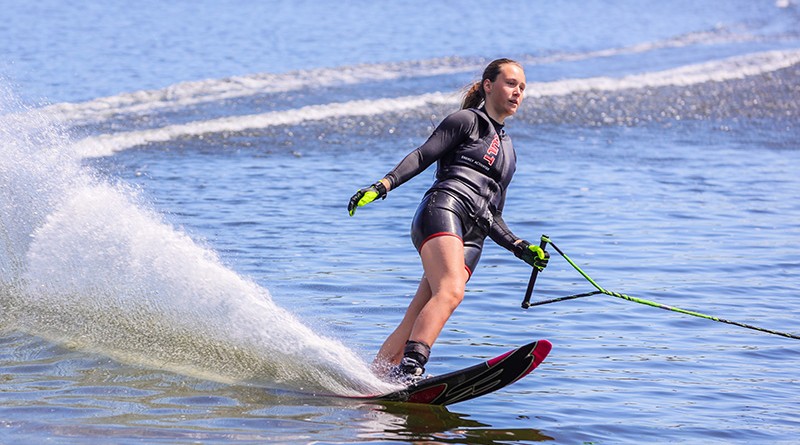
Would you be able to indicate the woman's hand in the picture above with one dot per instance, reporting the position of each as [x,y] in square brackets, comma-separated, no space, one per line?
[531,254]
[366,195]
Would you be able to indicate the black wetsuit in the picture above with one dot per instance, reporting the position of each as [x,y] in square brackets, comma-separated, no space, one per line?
[476,161]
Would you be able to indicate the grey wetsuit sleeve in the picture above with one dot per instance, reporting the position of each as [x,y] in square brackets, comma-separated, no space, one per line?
[453,130]
[501,234]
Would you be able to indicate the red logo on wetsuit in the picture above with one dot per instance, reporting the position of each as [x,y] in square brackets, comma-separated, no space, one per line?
[492,151]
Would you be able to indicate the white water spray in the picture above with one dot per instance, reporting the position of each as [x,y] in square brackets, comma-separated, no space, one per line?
[85,263]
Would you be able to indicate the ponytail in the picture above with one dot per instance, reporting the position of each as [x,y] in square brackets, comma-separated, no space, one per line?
[475,95]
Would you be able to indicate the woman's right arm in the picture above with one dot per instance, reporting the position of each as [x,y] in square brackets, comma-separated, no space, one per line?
[453,130]
[449,134]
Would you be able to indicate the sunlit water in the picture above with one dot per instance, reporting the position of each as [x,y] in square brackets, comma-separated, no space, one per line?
[178,265]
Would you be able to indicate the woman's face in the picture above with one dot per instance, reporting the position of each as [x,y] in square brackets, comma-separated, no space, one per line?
[504,95]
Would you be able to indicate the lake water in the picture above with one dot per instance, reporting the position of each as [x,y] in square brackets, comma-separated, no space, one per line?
[178,265]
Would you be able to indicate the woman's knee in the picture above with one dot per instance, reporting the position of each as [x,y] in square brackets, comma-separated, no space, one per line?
[451,292]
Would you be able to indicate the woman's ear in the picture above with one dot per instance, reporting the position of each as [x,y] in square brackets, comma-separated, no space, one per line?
[487,86]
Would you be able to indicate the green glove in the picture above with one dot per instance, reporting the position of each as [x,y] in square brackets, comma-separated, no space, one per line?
[366,195]
[532,254]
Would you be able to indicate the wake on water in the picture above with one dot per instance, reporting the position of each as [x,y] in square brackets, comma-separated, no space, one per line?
[566,94]
[86,263]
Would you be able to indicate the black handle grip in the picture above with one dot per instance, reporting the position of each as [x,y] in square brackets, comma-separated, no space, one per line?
[526,302]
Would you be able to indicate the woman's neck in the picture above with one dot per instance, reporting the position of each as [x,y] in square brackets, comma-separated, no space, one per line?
[497,125]
[493,114]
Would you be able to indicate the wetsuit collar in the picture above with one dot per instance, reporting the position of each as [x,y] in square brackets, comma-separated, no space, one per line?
[498,127]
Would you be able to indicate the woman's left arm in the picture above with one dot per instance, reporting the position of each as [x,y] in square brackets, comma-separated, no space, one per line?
[501,234]
[522,249]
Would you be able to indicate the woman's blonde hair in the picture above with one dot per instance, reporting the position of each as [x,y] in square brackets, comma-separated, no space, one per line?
[475,95]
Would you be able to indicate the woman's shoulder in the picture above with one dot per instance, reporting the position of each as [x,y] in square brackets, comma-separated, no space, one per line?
[465,119]
[466,114]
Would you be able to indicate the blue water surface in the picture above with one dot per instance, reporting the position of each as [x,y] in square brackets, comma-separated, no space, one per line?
[657,147]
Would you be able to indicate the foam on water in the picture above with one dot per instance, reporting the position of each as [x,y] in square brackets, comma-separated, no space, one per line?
[86,263]
[105,145]
[722,70]
[186,94]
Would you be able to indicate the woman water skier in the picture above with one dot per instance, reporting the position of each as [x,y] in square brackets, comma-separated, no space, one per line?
[476,161]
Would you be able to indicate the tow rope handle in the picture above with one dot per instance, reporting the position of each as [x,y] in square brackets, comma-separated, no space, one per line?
[526,302]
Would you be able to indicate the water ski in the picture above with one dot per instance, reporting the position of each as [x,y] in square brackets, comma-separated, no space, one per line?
[474,381]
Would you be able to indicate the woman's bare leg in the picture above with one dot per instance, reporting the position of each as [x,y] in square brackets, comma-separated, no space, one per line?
[443,261]
[391,351]
[440,291]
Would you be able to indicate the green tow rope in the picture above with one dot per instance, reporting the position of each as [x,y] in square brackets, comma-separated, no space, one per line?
[545,240]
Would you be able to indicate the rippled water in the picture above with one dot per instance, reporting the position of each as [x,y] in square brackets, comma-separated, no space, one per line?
[178,265]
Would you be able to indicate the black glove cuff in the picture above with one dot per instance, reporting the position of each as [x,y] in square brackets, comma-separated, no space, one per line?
[520,248]
[381,189]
